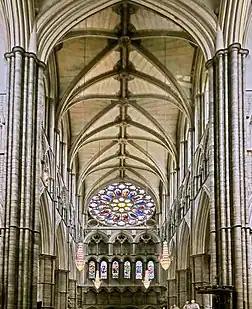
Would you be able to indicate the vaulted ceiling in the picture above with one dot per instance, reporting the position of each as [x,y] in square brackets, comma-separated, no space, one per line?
[125,78]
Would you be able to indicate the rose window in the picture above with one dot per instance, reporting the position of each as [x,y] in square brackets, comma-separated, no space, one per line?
[122,204]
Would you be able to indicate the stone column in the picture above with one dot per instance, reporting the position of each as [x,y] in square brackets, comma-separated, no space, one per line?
[200,266]
[172,292]
[228,210]
[183,286]
[133,248]
[79,295]
[110,249]
[25,99]
[212,171]
[61,289]
[72,290]
[46,280]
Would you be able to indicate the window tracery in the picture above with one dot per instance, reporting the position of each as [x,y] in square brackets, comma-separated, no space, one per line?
[121,204]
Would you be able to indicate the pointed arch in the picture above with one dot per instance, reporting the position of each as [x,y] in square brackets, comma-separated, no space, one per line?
[61,247]
[171,273]
[45,225]
[118,179]
[152,234]
[192,16]
[201,222]
[184,246]
[89,236]
[72,266]
[127,234]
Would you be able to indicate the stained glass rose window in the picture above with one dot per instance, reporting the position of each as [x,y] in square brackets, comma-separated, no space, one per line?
[121,204]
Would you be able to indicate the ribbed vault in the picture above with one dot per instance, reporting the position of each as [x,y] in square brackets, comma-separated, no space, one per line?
[125,78]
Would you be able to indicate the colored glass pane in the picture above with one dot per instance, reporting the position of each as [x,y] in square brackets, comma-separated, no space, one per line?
[104,270]
[91,270]
[127,270]
[121,204]
[139,270]
[150,267]
[115,270]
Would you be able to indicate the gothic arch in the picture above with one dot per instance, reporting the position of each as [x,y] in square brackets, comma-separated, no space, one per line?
[45,225]
[201,221]
[199,159]
[128,235]
[248,44]
[61,248]
[141,184]
[189,14]
[171,273]
[88,237]
[233,25]
[72,267]
[153,236]
[4,47]
[184,246]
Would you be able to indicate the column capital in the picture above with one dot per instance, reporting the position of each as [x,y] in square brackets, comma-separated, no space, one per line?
[237,47]
[233,47]
[22,52]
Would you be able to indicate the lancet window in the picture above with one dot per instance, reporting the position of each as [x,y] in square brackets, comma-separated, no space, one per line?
[127,270]
[139,270]
[104,270]
[91,270]
[115,270]
[151,271]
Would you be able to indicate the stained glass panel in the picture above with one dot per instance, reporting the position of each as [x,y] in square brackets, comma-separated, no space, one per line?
[127,269]
[91,270]
[139,270]
[150,267]
[115,270]
[121,204]
[104,270]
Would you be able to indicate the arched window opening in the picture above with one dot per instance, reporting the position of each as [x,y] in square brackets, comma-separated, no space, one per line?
[151,270]
[139,270]
[115,270]
[91,270]
[104,270]
[122,204]
[127,270]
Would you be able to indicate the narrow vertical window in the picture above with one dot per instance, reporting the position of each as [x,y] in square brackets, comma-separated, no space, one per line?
[150,267]
[126,270]
[91,270]
[115,270]
[104,270]
[139,270]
